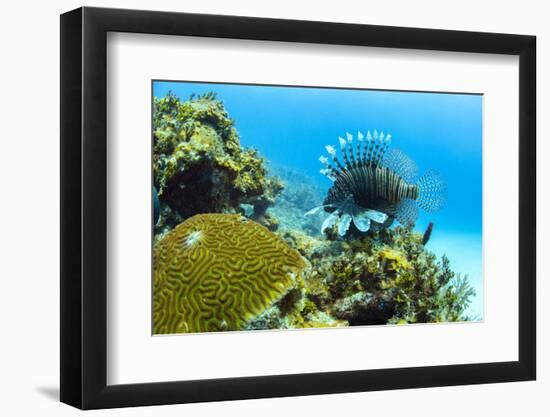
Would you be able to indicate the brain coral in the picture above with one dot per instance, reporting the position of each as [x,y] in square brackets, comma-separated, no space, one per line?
[216,272]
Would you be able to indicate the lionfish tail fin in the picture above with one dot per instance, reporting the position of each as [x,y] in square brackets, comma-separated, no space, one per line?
[432,192]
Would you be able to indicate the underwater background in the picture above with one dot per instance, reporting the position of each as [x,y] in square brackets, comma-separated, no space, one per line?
[290,127]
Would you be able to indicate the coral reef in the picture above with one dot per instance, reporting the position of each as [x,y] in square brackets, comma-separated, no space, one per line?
[386,277]
[217,272]
[199,165]
[259,262]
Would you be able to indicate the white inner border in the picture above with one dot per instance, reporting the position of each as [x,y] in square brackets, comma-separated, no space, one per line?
[134,356]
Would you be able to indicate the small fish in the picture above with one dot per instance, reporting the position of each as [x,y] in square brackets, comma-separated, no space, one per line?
[156,207]
[427,234]
[374,185]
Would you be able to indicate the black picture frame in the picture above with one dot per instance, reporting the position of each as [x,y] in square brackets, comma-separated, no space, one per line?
[84,207]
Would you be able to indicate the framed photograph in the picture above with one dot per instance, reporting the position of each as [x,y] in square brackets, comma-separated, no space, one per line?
[257,208]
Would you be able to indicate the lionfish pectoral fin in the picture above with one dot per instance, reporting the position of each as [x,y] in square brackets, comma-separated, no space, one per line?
[343,225]
[316,210]
[362,222]
[406,212]
[330,221]
[376,216]
[400,163]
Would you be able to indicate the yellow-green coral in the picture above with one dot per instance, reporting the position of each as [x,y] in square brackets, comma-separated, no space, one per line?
[384,277]
[395,260]
[199,165]
[216,272]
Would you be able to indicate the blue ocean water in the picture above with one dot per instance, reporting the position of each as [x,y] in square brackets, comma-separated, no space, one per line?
[290,126]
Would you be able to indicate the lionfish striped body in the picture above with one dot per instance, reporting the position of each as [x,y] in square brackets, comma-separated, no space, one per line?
[374,185]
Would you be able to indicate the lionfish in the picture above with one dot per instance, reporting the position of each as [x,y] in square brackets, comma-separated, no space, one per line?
[374,185]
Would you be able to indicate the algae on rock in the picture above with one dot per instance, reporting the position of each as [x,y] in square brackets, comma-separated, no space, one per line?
[386,277]
[199,165]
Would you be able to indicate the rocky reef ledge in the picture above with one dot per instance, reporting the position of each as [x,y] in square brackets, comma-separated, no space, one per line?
[387,277]
[199,165]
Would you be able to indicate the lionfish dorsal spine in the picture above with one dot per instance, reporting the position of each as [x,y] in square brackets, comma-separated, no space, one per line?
[329,169]
[372,147]
[376,150]
[343,144]
[349,138]
[332,153]
[351,156]
[384,143]
[360,138]
[366,147]
[369,151]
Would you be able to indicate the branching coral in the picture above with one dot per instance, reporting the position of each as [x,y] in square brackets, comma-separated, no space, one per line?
[199,165]
[217,272]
